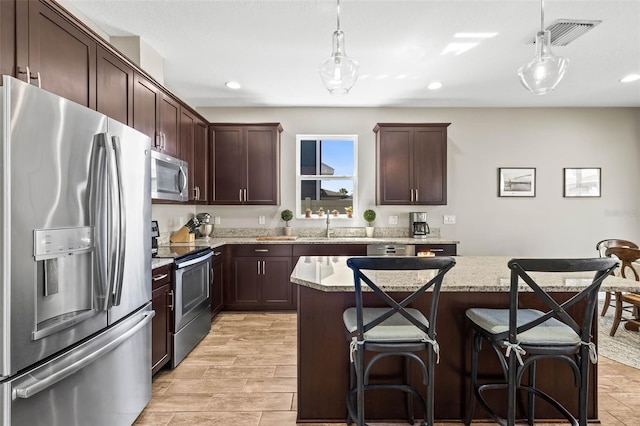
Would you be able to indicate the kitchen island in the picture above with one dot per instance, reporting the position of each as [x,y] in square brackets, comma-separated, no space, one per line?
[326,290]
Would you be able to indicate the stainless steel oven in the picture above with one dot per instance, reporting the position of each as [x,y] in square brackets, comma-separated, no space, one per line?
[193,273]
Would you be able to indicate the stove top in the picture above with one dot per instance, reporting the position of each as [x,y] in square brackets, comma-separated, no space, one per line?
[173,252]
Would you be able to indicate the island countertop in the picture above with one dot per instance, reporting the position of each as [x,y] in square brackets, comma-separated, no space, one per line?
[471,273]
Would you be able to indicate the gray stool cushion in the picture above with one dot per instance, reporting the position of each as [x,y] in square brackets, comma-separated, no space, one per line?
[550,332]
[395,328]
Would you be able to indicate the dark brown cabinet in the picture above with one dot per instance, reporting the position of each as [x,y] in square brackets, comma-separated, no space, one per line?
[194,150]
[217,283]
[245,160]
[157,115]
[411,164]
[161,325]
[259,278]
[114,90]
[54,53]
[7,38]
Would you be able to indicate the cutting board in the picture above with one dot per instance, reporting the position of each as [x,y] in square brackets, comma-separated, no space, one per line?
[277,238]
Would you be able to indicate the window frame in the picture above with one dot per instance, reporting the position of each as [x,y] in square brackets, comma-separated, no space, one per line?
[299,214]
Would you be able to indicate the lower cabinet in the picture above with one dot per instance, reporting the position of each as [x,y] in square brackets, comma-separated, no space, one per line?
[258,277]
[217,283]
[161,325]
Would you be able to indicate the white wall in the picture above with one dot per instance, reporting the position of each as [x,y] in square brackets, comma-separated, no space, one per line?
[480,141]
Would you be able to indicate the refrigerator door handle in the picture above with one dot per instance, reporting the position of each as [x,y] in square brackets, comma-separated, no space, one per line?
[34,385]
[120,234]
[98,210]
[113,220]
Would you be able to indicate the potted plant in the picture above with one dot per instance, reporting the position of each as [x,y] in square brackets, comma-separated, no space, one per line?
[307,213]
[334,212]
[349,211]
[369,216]
[320,212]
[286,215]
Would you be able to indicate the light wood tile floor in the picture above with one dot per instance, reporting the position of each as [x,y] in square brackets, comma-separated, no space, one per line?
[244,373]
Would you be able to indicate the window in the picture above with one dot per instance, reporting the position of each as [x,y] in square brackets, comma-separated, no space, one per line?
[326,174]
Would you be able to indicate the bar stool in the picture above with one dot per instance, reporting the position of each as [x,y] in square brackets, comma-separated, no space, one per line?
[393,330]
[529,335]
[602,247]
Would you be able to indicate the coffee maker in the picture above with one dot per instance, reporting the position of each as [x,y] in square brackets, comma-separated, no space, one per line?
[418,226]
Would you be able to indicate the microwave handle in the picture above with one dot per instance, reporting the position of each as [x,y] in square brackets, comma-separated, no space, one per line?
[182,180]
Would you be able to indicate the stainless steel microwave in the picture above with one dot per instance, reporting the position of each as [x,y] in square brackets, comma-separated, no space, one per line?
[168,178]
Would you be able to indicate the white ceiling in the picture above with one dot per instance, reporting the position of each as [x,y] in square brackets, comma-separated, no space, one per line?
[273,48]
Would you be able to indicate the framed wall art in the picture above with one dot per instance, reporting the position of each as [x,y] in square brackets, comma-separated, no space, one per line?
[517,182]
[582,182]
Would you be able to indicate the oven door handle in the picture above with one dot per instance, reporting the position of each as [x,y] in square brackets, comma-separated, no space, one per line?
[190,262]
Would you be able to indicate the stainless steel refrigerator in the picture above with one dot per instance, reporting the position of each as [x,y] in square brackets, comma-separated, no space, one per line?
[75,259]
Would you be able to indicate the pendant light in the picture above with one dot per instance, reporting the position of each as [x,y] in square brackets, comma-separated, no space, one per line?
[339,72]
[543,73]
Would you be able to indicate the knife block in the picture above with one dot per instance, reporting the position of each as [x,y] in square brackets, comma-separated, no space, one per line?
[183,235]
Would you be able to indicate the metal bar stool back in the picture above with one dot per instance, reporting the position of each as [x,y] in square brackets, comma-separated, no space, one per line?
[529,335]
[395,329]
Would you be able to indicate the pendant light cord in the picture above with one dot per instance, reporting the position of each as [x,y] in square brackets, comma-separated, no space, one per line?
[338,9]
[541,15]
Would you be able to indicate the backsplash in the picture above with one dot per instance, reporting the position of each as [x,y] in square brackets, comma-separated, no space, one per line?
[304,232]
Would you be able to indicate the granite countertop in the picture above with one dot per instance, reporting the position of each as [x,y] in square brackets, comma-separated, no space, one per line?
[472,273]
[217,242]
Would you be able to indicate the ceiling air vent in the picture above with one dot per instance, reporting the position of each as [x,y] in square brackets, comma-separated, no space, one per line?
[564,31]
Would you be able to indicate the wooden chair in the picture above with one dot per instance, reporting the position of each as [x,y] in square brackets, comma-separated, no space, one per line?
[602,247]
[627,256]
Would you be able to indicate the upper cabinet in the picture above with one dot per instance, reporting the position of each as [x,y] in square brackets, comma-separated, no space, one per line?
[194,150]
[411,164]
[54,53]
[156,114]
[245,161]
[7,37]
[114,91]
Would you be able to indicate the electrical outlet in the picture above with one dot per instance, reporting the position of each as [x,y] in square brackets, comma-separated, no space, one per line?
[393,220]
[261,220]
[449,220]
[216,220]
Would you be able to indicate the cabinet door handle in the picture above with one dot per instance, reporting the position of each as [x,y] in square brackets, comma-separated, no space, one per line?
[198,197]
[245,195]
[416,195]
[172,301]
[411,192]
[160,277]
[156,139]
[240,194]
[39,80]
[263,267]
[196,191]
[27,72]
[211,276]
[258,263]
[436,249]
[261,250]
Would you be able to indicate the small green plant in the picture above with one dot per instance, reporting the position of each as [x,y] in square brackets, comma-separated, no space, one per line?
[349,209]
[369,216]
[286,215]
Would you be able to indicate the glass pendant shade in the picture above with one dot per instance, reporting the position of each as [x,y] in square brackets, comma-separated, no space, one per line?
[339,72]
[543,73]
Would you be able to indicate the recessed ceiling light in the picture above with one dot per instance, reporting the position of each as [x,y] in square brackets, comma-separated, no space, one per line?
[232,84]
[401,76]
[434,86]
[629,78]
